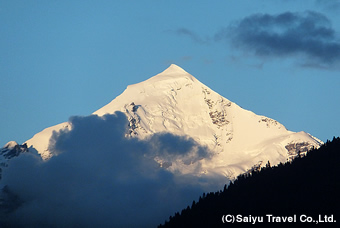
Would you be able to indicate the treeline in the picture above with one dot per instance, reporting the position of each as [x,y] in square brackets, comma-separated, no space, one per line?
[307,187]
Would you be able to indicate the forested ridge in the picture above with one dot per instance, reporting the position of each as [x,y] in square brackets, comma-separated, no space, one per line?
[308,185]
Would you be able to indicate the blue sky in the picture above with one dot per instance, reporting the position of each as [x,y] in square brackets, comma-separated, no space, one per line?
[276,58]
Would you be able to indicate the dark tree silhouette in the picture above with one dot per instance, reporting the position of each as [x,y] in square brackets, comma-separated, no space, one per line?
[309,185]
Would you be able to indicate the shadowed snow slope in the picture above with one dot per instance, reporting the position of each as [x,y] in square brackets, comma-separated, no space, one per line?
[176,102]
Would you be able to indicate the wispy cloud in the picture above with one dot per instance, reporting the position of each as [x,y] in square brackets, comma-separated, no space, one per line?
[192,35]
[330,5]
[308,35]
[100,178]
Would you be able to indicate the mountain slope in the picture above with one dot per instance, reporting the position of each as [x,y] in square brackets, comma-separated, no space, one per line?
[176,102]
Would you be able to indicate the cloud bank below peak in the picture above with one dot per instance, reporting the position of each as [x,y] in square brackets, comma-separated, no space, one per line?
[98,177]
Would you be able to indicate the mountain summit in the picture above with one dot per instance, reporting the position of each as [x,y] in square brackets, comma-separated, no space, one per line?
[176,102]
[174,71]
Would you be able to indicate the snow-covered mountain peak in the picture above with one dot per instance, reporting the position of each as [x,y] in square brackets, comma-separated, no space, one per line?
[175,102]
[11,149]
[11,144]
[173,69]
[171,74]
[165,87]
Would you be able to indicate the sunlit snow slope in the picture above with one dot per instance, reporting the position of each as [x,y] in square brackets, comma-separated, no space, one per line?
[174,101]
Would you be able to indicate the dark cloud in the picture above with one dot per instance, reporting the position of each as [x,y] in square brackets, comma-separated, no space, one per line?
[308,35]
[100,178]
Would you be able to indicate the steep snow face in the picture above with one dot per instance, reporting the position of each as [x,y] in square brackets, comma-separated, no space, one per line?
[176,102]
[172,101]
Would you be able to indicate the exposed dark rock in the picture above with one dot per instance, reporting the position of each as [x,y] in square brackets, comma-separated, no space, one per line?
[9,152]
